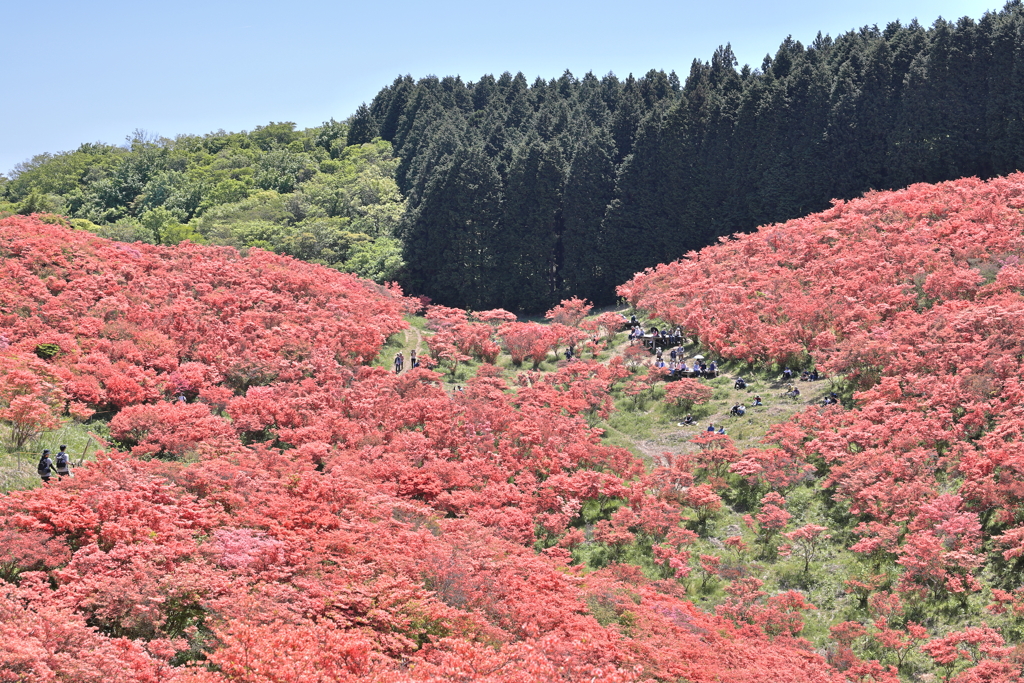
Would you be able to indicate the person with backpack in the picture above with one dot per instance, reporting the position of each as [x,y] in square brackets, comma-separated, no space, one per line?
[62,463]
[45,467]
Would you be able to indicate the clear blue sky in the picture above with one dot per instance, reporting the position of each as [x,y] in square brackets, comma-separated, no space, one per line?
[79,72]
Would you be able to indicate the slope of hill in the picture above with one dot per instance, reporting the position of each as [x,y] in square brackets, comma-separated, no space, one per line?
[307,515]
[911,303]
[301,516]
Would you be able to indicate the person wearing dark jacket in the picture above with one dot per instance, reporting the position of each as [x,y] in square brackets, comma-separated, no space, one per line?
[62,463]
[45,468]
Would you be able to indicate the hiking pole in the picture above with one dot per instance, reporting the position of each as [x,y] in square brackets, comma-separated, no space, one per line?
[82,459]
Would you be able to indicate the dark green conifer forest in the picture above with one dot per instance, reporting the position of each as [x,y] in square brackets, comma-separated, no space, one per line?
[513,194]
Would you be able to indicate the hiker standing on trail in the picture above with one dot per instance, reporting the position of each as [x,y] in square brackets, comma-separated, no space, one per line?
[45,467]
[62,463]
[398,362]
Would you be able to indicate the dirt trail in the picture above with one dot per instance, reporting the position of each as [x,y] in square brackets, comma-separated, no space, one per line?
[419,339]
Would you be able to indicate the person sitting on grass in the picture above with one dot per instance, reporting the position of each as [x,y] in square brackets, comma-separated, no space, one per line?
[687,421]
[740,383]
[711,428]
[721,430]
[757,401]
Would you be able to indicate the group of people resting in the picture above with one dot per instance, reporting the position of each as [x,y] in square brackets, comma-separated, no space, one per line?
[688,421]
[739,410]
[681,369]
[638,333]
[805,376]
[677,366]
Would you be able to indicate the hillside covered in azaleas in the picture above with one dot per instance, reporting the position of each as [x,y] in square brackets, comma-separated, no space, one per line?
[127,324]
[276,509]
[911,302]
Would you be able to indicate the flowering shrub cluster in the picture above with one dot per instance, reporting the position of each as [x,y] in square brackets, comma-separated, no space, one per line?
[332,521]
[911,302]
[126,325]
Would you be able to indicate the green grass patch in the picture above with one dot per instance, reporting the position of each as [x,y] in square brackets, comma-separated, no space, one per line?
[18,468]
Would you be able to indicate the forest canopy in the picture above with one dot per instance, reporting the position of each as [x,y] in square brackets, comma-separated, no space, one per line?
[301,193]
[522,194]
